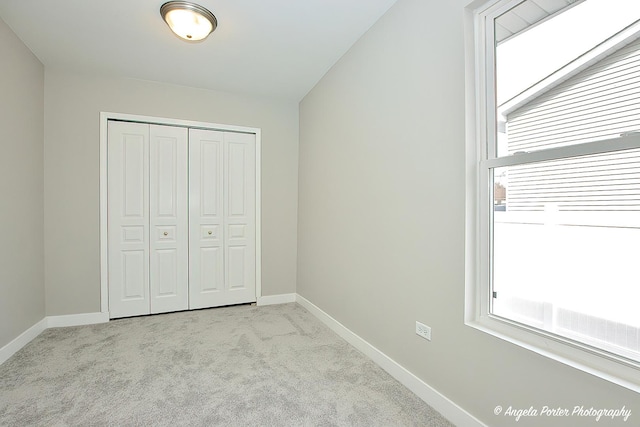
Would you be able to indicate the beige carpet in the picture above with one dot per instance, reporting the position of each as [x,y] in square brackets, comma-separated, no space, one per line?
[235,366]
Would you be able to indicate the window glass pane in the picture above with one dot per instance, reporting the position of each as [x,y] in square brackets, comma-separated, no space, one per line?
[566,248]
[556,87]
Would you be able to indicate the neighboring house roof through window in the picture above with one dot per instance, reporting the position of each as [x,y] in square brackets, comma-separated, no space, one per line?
[527,14]
[566,41]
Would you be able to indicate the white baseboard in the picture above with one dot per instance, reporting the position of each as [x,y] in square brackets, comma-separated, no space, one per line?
[49,322]
[277,299]
[76,319]
[23,339]
[424,391]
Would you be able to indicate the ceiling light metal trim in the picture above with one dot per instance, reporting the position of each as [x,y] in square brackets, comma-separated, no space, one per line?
[170,6]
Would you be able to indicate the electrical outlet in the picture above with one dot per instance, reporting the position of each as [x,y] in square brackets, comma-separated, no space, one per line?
[423,330]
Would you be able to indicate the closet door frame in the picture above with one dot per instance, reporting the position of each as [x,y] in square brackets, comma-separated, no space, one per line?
[104,119]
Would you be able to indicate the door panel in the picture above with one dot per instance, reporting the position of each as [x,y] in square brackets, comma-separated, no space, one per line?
[128,218]
[236,162]
[133,275]
[240,217]
[169,250]
[167,273]
[237,269]
[133,158]
[206,262]
[210,168]
[211,269]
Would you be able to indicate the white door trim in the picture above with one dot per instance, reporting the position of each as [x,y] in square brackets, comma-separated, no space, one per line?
[104,118]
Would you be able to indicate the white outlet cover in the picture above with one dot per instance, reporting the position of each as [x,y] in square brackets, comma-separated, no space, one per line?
[423,330]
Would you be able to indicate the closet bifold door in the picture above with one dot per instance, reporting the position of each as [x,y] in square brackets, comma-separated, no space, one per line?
[128,218]
[147,224]
[240,217]
[168,219]
[206,249]
[221,218]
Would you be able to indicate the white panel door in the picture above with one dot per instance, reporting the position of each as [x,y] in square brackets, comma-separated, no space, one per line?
[240,217]
[128,218]
[206,258]
[222,218]
[181,218]
[168,217]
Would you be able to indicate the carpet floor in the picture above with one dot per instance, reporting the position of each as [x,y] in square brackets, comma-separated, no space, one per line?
[234,366]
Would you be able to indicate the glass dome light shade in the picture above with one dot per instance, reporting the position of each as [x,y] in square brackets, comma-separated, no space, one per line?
[187,20]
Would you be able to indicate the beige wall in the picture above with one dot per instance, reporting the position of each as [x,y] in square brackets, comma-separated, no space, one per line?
[21,187]
[72,109]
[381,220]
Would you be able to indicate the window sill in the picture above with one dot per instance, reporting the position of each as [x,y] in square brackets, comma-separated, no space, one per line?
[620,371]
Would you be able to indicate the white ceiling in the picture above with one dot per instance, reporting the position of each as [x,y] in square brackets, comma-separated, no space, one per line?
[278,48]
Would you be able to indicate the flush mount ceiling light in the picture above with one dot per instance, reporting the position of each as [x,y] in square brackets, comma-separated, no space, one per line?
[189,21]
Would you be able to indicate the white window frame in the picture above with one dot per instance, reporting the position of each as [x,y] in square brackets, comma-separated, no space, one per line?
[480,157]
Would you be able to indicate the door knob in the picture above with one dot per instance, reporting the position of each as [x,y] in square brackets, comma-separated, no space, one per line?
[166,233]
[210,232]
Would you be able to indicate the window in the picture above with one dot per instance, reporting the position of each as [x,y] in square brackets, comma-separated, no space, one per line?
[553,188]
